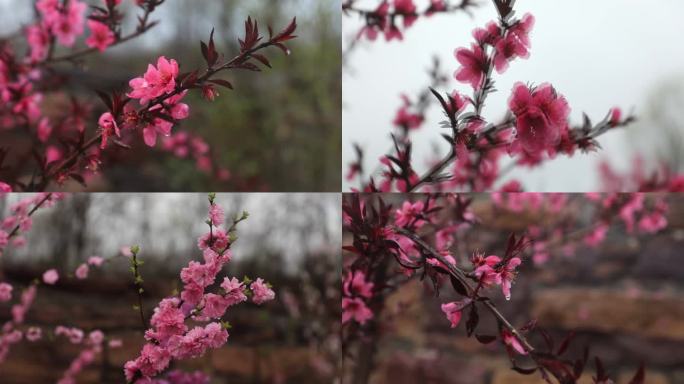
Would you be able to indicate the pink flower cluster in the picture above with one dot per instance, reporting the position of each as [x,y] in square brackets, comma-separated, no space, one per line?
[541,114]
[356,290]
[169,337]
[157,85]
[493,270]
[65,22]
[541,117]
[507,44]
[411,214]
[157,81]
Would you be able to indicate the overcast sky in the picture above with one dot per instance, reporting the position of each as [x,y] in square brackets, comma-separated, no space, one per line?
[290,224]
[599,54]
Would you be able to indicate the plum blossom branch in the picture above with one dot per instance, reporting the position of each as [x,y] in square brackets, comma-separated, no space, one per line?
[174,91]
[61,149]
[169,337]
[534,130]
[461,276]
[380,236]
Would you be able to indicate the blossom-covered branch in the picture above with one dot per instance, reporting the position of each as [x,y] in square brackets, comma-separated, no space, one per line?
[61,147]
[535,129]
[391,248]
[170,336]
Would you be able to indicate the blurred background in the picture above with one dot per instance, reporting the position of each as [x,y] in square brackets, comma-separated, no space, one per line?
[598,54]
[291,240]
[277,131]
[624,300]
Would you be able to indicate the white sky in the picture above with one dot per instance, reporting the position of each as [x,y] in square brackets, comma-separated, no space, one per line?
[598,54]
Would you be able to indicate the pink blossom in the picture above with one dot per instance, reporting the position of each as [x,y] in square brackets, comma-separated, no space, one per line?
[44,130]
[5,188]
[262,292]
[34,334]
[234,291]
[69,25]
[515,44]
[473,66]
[615,116]
[596,236]
[96,337]
[209,92]
[454,311]
[74,335]
[215,335]
[436,6]
[126,251]
[216,214]
[38,39]
[355,284]
[407,9]
[95,261]
[50,276]
[174,108]
[510,340]
[153,359]
[52,154]
[5,292]
[101,36]
[13,337]
[507,49]
[355,308]
[522,29]
[108,128]
[541,116]
[218,241]
[157,81]
[214,306]
[410,213]
[485,269]
[405,118]
[197,274]
[168,320]
[652,222]
[488,35]
[82,271]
